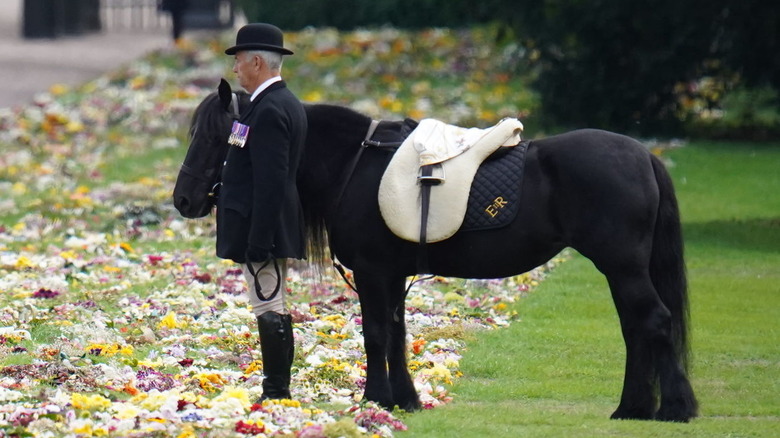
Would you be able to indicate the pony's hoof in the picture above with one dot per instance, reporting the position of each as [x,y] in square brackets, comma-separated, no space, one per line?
[411,405]
[631,414]
[677,414]
[384,402]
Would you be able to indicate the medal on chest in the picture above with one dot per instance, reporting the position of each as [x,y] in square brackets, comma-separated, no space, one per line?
[238,135]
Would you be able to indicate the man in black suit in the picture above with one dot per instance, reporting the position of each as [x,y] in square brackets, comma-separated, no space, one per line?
[259,214]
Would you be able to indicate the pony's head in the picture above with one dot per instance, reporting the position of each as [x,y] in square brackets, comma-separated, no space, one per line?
[195,191]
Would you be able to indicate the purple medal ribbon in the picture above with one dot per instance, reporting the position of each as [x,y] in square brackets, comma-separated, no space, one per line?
[238,134]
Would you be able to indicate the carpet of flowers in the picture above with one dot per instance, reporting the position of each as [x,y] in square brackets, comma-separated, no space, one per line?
[116,319]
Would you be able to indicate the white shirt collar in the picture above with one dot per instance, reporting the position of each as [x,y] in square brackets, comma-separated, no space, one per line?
[265,85]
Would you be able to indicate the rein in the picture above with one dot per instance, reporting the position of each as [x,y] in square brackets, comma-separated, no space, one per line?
[353,164]
[234,114]
[350,170]
[215,182]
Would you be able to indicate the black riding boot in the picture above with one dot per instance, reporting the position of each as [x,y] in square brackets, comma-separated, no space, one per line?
[277,346]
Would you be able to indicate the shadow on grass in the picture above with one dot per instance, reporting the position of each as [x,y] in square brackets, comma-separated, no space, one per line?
[760,234]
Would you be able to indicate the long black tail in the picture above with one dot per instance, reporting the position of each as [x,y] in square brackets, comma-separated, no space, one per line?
[667,264]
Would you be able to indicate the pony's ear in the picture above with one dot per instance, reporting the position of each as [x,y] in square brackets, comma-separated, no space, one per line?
[225,94]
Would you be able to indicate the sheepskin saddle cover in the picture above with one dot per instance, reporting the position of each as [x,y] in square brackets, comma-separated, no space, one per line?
[458,152]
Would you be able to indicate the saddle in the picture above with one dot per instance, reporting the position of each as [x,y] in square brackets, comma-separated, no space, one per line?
[424,192]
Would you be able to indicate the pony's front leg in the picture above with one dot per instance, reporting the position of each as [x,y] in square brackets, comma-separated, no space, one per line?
[372,292]
[404,393]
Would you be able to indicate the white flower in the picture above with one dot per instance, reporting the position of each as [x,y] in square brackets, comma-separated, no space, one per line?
[9,395]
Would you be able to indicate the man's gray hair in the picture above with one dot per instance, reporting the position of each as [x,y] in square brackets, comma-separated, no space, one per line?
[273,59]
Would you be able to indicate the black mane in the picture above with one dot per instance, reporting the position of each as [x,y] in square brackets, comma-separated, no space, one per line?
[327,125]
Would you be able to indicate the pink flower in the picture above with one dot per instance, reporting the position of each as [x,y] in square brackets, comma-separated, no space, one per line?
[45,293]
[155,259]
[315,431]
[372,418]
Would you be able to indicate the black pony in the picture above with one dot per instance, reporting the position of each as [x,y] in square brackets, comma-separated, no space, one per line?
[600,193]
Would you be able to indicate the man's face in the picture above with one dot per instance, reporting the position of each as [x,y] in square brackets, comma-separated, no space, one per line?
[247,70]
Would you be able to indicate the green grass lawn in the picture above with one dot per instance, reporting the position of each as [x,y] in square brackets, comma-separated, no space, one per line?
[558,371]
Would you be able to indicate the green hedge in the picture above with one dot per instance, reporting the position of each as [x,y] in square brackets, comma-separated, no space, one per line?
[351,14]
[629,66]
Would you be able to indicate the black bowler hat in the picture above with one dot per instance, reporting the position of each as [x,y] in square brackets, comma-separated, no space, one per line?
[259,36]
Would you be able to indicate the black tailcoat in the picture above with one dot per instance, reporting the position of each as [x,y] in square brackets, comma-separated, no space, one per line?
[258,208]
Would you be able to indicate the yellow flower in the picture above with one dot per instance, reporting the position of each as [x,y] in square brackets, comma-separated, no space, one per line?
[183,93]
[23,263]
[438,372]
[86,429]
[58,89]
[151,182]
[207,381]
[336,318]
[416,113]
[234,393]
[68,255]
[187,432]
[73,127]
[125,411]
[169,321]
[89,402]
[253,367]
[335,365]
[19,188]
[290,403]
[151,400]
[80,196]
[391,103]
[286,402]
[313,96]
[109,350]
[487,115]
[499,307]
[452,297]
[126,247]
[137,82]
[417,301]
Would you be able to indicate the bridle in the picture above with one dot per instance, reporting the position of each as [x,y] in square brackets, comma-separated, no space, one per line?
[215,182]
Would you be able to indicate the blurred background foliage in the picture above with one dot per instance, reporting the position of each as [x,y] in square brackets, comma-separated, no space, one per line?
[704,68]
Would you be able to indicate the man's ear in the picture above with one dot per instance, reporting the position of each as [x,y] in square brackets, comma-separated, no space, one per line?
[225,94]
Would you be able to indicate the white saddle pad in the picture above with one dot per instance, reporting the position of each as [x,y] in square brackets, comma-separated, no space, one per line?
[460,151]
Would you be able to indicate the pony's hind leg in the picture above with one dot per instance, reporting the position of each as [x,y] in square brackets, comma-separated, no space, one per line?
[651,361]
[644,322]
[678,403]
